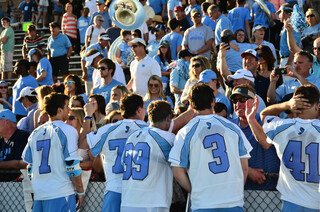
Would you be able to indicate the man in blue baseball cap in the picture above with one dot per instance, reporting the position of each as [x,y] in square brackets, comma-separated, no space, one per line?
[210,78]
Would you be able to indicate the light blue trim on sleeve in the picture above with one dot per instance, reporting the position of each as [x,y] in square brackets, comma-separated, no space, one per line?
[28,156]
[163,144]
[272,133]
[185,163]
[98,147]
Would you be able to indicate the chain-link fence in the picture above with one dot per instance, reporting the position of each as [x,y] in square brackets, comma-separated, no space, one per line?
[12,200]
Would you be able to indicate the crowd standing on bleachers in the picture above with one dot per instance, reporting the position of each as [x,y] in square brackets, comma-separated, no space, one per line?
[197,94]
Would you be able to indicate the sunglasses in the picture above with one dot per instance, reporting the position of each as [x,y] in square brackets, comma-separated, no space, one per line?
[135,35]
[101,20]
[98,4]
[310,16]
[154,85]
[69,82]
[71,118]
[135,46]
[316,48]
[3,87]
[102,68]
[196,65]
[241,99]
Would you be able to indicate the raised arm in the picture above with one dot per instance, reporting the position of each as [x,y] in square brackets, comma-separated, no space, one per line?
[222,66]
[293,46]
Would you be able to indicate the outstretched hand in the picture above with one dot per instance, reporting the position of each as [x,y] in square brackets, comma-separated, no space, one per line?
[251,108]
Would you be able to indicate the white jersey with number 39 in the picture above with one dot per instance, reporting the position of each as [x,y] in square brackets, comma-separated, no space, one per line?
[297,142]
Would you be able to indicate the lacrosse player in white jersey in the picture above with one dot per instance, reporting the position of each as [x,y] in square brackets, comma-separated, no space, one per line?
[210,157]
[297,141]
[109,142]
[147,178]
[53,160]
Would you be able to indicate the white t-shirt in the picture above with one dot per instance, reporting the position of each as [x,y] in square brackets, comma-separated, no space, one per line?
[109,142]
[147,178]
[297,142]
[141,71]
[211,147]
[91,4]
[49,146]
[95,34]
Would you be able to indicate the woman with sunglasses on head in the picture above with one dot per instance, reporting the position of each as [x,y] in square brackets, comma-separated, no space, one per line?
[197,65]
[75,119]
[155,92]
[44,68]
[5,98]
[265,67]
[312,31]
[73,87]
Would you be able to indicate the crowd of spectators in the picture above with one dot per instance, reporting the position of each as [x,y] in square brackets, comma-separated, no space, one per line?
[237,50]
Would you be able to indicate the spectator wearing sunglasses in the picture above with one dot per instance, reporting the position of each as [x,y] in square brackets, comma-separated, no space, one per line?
[103,12]
[5,98]
[73,87]
[312,31]
[261,160]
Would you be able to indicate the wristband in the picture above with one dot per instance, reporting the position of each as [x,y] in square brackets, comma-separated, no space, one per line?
[80,194]
[88,118]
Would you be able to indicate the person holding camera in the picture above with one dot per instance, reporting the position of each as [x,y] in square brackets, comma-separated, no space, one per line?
[303,61]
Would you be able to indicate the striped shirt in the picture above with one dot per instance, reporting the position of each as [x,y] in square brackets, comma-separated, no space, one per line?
[69,25]
[37,42]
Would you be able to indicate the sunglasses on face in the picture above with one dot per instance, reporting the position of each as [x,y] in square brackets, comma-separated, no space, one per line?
[135,46]
[310,16]
[3,87]
[316,48]
[71,118]
[154,85]
[102,68]
[69,82]
[241,99]
[197,65]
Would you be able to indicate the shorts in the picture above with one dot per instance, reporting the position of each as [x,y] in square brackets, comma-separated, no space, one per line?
[62,204]
[57,13]
[60,64]
[6,61]
[289,206]
[42,8]
[111,202]
[234,209]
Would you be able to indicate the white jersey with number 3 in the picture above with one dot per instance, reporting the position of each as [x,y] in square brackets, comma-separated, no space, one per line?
[211,147]
[147,177]
[109,142]
[49,146]
[297,142]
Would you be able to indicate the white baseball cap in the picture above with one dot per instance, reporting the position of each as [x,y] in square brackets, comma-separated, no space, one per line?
[241,74]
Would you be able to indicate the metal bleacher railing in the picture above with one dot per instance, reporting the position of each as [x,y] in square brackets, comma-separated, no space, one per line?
[11,195]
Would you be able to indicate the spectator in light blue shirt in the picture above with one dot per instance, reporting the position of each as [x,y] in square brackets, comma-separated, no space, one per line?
[206,20]
[170,7]
[159,6]
[192,4]
[240,18]
[106,68]
[83,24]
[259,16]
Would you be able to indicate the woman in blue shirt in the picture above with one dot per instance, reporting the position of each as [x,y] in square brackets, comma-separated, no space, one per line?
[5,98]
[312,31]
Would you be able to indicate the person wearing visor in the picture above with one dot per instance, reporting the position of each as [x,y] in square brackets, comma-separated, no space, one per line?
[44,68]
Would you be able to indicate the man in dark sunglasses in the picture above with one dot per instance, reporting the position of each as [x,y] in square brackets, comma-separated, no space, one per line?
[261,160]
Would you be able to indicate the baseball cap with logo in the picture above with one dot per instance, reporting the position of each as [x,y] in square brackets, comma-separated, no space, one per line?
[245,92]
[27,91]
[207,75]
[8,115]
[195,11]
[251,52]
[241,74]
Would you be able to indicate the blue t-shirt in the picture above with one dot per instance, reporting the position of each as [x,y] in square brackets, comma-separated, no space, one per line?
[206,20]
[152,48]
[238,16]
[164,67]
[22,82]
[188,12]
[58,46]
[105,90]
[107,21]
[260,159]
[125,50]
[311,30]
[223,99]
[5,106]
[175,40]
[260,16]
[27,10]
[157,5]
[44,64]
[83,24]
[284,48]
[222,23]
[56,8]
[179,77]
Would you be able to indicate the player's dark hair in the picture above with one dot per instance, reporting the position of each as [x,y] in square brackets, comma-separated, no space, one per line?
[306,54]
[219,107]
[159,110]
[54,101]
[173,24]
[310,92]
[129,104]
[109,63]
[201,96]
[101,102]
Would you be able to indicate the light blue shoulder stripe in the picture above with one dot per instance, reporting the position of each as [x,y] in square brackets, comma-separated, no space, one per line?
[242,149]
[63,140]
[163,143]
[273,133]
[186,147]
[28,156]
[98,147]
[316,127]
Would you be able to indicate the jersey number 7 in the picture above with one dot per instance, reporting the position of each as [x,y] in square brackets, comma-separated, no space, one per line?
[44,146]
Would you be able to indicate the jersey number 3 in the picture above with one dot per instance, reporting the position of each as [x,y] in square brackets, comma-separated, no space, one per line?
[44,146]
[136,161]
[220,156]
[292,160]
